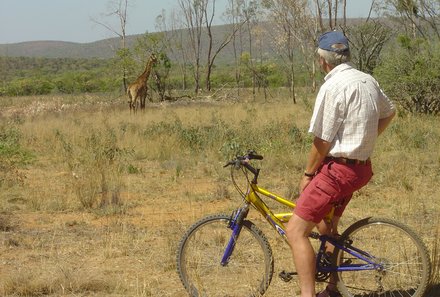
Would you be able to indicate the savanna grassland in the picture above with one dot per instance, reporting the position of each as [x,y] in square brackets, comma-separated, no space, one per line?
[94,200]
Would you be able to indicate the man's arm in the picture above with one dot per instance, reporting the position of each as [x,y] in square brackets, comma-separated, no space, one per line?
[317,154]
[384,123]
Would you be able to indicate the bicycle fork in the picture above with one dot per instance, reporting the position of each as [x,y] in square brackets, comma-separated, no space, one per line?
[235,224]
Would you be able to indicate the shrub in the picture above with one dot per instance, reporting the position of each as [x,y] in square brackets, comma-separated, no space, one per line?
[97,163]
[26,87]
[12,156]
[410,75]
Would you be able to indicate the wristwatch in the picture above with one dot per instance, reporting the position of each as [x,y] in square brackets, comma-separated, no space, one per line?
[309,174]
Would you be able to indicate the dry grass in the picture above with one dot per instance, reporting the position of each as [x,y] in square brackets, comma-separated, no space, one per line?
[102,205]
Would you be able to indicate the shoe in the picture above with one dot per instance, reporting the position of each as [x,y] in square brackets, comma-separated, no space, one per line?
[328,293]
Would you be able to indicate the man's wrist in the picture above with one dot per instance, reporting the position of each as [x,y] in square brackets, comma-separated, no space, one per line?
[311,175]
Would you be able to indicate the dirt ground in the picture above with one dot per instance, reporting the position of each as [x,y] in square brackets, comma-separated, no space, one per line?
[47,250]
[84,253]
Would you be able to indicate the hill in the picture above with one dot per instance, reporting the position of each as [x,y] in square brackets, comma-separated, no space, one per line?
[105,48]
[61,49]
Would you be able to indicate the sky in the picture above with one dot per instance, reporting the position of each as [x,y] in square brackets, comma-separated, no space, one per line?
[73,20]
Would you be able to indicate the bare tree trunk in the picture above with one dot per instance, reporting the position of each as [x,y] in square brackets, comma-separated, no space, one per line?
[227,39]
[184,63]
[198,49]
[177,47]
[234,12]
[193,12]
[251,62]
[122,13]
[237,64]
[319,15]
[208,21]
[344,13]
[292,83]
[330,19]
[119,9]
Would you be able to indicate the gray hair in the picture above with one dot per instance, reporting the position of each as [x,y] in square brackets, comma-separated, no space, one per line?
[334,58]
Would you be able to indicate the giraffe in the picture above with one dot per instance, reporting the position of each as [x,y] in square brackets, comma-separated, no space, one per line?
[138,89]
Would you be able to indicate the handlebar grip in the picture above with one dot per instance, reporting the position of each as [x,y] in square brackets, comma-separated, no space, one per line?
[257,157]
[253,156]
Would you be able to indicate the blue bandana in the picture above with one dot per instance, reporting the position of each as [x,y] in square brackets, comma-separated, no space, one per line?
[327,40]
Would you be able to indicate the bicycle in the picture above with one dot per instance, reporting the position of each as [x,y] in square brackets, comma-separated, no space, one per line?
[228,255]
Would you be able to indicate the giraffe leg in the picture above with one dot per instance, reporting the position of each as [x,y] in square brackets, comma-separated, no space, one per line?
[136,104]
[142,102]
[130,100]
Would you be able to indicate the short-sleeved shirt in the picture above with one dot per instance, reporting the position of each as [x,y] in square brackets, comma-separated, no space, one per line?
[347,111]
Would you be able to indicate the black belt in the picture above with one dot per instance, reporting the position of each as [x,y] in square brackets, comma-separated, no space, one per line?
[348,161]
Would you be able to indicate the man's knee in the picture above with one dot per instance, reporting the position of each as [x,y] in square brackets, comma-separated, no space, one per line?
[298,228]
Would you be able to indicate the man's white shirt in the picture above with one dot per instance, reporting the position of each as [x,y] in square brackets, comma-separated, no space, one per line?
[347,110]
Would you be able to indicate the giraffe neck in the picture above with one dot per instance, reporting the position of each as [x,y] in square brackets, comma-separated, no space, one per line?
[146,74]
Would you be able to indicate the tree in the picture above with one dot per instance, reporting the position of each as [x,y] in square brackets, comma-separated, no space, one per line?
[193,13]
[410,74]
[252,13]
[329,9]
[294,33]
[419,18]
[233,14]
[212,53]
[160,76]
[240,12]
[119,8]
[367,41]
[174,37]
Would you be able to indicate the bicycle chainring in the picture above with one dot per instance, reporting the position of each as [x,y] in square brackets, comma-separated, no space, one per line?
[324,261]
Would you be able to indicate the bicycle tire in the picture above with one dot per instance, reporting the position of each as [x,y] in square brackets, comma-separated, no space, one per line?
[404,255]
[249,271]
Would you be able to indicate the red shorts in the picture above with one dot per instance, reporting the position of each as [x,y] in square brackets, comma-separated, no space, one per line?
[332,186]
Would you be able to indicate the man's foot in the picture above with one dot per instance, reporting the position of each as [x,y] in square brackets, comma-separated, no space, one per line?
[328,293]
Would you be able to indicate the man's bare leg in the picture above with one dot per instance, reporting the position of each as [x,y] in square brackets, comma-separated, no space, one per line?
[330,228]
[304,257]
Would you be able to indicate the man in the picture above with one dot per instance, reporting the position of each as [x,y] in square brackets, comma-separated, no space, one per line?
[350,112]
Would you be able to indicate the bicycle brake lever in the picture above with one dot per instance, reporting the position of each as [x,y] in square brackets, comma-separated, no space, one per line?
[228,164]
[235,162]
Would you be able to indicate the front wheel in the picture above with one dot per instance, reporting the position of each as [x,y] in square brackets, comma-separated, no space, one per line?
[402,255]
[248,272]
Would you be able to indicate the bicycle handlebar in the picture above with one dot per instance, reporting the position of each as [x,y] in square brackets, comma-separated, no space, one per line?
[244,161]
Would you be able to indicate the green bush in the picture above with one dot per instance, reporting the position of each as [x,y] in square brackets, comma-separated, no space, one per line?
[28,86]
[12,156]
[10,147]
[410,75]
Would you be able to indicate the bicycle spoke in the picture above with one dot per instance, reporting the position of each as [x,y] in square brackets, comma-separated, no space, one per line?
[401,255]
[248,272]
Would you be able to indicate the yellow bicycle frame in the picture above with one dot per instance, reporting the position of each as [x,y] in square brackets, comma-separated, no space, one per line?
[277,220]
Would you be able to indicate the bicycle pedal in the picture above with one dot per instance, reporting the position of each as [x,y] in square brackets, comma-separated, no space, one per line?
[287,276]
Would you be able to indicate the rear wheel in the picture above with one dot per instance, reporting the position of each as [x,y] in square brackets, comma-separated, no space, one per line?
[201,249]
[402,254]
